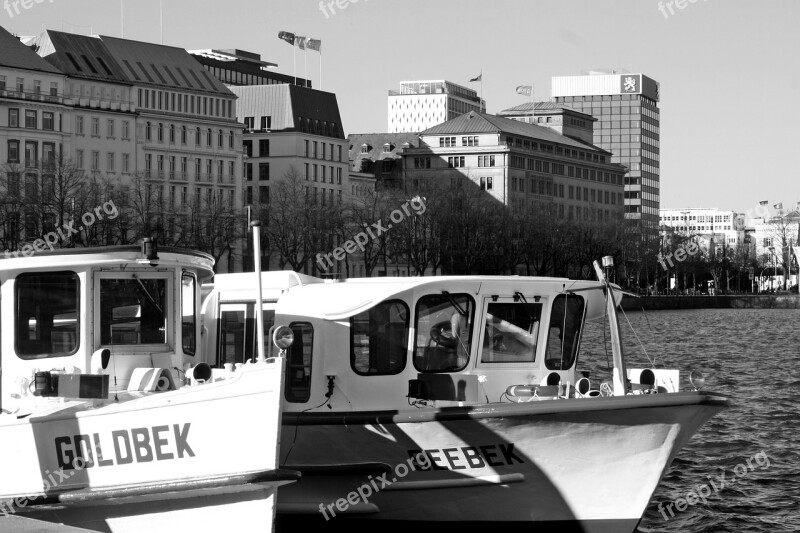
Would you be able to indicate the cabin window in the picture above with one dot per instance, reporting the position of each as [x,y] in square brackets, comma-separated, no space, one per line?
[133,311]
[444,332]
[511,332]
[298,366]
[188,316]
[237,332]
[379,339]
[563,339]
[47,317]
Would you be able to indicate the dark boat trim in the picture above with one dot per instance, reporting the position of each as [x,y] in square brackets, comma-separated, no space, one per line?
[498,410]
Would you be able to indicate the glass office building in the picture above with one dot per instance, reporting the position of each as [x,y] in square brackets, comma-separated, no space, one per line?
[626,108]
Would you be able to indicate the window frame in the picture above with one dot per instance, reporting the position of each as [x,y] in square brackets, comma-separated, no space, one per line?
[169,302]
[404,362]
[78,293]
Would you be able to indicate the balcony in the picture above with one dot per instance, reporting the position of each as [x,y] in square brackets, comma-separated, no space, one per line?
[32,96]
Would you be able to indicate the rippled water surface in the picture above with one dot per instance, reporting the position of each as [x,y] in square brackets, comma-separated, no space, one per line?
[752,356]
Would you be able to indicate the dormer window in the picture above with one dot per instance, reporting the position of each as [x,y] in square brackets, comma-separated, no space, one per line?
[388,147]
[365,148]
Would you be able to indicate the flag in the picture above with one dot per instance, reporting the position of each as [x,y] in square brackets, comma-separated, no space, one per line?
[763,202]
[300,42]
[314,44]
[524,89]
[778,205]
[477,78]
[286,36]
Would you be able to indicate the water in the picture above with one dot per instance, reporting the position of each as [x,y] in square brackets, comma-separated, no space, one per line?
[750,355]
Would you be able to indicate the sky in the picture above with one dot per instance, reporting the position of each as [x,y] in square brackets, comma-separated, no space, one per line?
[728,69]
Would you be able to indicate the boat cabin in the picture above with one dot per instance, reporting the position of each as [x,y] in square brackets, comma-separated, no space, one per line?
[102,311]
[382,343]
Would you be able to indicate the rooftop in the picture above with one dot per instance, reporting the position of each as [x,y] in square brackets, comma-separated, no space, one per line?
[14,54]
[475,122]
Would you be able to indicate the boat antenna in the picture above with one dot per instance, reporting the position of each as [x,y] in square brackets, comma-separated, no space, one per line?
[256,226]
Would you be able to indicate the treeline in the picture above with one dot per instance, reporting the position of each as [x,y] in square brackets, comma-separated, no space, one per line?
[437,229]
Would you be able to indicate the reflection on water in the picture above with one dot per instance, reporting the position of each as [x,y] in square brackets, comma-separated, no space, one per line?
[751,356]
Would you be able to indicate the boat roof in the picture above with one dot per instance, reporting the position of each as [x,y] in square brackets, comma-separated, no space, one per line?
[337,300]
[94,256]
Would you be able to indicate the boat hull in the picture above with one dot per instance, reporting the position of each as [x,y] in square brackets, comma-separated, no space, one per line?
[591,463]
[109,466]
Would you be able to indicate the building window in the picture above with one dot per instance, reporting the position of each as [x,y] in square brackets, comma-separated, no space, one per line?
[160,132]
[13,118]
[248,171]
[13,151]
[339,176]
[110,162]
[126,130]
[220,139]
[126,163]
[183,134]
[209,140]
[47,121]
[266,123]
[197,137]
[263,195]
[30,119]
[172,133]
[469,141]
[230,139]
[263,147]
[95,127]
[455,162]
[263,171]
[447,142]
[485,160]
[95,160]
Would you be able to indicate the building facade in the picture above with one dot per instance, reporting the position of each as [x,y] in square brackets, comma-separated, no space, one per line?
[521,165]
[381,155]
[707,227]
[558,117]
[626,107]
[33,131]
[419,105]
[292,132]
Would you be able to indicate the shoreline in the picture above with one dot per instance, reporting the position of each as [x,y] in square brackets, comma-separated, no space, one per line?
[733,301]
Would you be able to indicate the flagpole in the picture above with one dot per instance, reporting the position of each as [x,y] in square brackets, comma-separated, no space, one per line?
[305,66]
[294,55]
[320,68]
[480,104]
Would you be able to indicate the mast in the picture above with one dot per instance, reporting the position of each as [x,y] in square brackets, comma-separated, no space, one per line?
[256,225]
[620,374]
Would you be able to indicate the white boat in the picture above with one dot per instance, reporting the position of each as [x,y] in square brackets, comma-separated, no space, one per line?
[458,400]
[110,421]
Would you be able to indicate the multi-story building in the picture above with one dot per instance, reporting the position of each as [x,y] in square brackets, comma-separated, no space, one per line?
[521,165]
[32,134]
[626,106]
[707,227]
[419,105]
[777,239]
[558,117]
[188,138]
[381,155]
[292,132]
[239,67]
[102,122]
